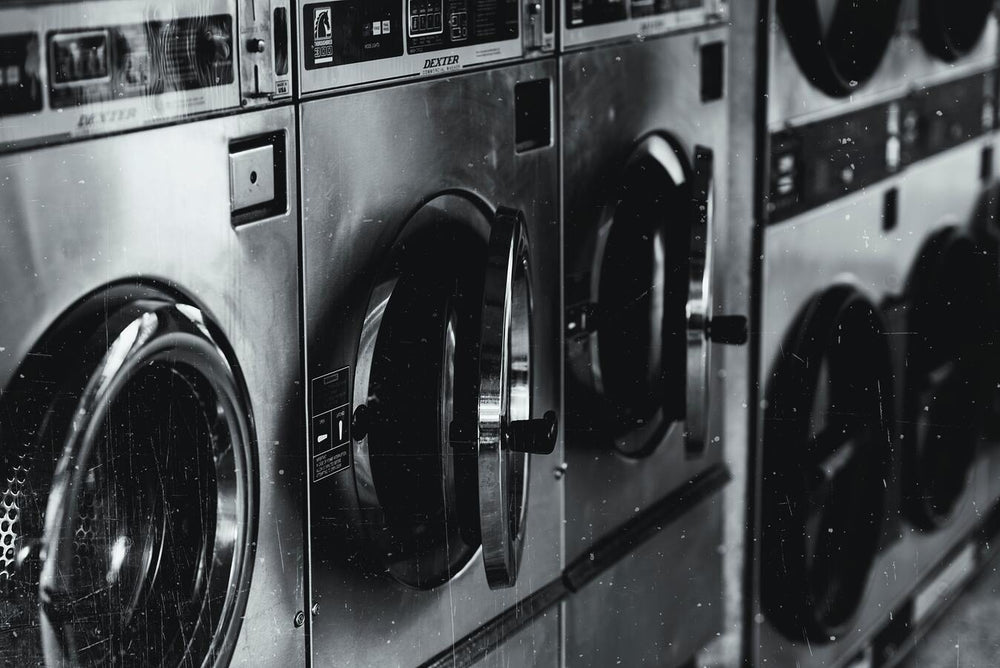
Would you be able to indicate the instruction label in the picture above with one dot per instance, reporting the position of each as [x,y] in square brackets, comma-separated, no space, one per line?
[330,424]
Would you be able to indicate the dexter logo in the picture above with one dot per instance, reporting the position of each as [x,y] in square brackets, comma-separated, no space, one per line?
[101,117]
[433,63]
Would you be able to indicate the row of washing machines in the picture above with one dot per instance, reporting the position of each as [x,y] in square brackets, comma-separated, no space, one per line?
[410,332]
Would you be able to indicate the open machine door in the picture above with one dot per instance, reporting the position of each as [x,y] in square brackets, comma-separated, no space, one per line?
[443,396]
[641,345]
[129,499]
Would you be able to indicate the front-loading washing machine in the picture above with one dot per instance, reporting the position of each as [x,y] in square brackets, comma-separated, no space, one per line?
[151,506]
[432,266]
[644,180]
[866,462]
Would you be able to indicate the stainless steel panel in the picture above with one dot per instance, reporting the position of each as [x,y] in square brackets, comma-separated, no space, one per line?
[646,609]
[601,123]
[844,241]
[540,644]
[80,216]
[370,161]
[655,606]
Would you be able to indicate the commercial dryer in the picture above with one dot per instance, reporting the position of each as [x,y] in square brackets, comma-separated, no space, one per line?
[876,153]
[150,440]
[431,260]
[644,157]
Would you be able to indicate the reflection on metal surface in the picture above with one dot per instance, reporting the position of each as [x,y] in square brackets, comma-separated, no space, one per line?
[153,390]
[416,211]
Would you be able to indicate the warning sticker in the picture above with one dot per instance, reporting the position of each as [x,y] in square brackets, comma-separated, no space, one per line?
[330,424]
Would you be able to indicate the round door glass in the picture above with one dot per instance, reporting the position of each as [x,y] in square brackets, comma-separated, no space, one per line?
[950,328]
[951,31]
[838,44]
[141,462]
[423,327]
[826,456]
[642,295]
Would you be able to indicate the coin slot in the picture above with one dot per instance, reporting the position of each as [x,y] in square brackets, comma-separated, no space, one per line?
[713,58]
[890,209]
[280,41]
[986,164]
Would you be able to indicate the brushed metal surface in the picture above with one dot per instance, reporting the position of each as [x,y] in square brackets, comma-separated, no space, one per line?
[657,606]
[906,66]
[844,241]
[601,125]
[79,216]
[539,644]
[611,97]
[371,159]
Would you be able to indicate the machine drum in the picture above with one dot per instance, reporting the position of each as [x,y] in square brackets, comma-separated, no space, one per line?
[642,295]
[946,391]
[838,44]
[826,459]
[423,368]
[128,514]
[951,31]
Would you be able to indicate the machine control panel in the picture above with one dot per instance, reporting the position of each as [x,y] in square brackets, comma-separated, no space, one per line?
[819,162]
[78,69]
[139,60]
[347,43]
[588,21]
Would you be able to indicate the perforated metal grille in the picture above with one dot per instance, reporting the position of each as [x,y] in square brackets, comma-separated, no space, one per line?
[11,504]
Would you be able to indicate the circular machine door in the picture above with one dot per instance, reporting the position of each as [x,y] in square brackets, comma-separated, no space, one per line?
[950,31]
[949,292]
[826,457]
[129,500]
[838,44]
[646,358]
[444,389]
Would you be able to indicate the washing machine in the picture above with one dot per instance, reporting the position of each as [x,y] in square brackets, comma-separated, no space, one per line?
[431,290]
[358,43]
[877,156]
[150,444]
[644,165]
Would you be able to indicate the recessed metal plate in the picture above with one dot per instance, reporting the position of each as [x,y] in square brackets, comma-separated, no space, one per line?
[251,177]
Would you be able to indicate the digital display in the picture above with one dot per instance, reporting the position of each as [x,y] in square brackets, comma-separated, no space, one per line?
[78,57]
